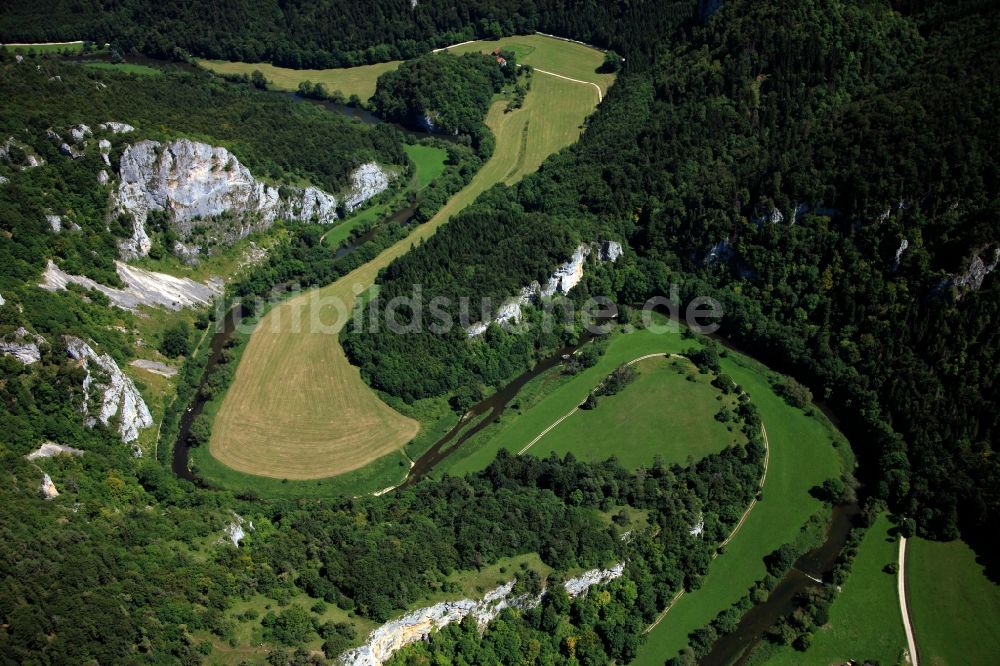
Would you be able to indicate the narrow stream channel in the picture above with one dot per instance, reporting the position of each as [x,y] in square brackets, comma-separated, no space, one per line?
[736,648]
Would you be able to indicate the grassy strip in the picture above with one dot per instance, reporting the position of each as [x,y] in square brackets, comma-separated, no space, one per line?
[864,621]
[954,605]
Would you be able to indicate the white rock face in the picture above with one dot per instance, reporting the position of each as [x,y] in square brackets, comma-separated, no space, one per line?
[972,278]
[418,625]
[51,450]
[237,530]
[116,127]
[114,392]
[23,346]
[80,132]
[55,222]
[142,287]
[565,277]
[48,489]
[368,180]
[2,300]
[195,181]
[903,245]
[103,177]
[104,146]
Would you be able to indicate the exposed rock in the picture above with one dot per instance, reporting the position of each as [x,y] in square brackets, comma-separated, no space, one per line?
[56,78]
[142,287]
[903,245]
[194,181]
[418,625]
[55,222]
[51,450]
[368,180]
[2,300]
[237,530]
[973,277]
[800,210]
[111,391]
[155,367]
[53,136]
[187,253]
[698,528]
[4,180]
[567,275]
[80,132]
[19,59]
[105,147]
[773,216]
[28,160]
[103,177]
[71,151]
[564,278]
[23,346]
[720,252]
[48,489]
[609,251]
[116,127]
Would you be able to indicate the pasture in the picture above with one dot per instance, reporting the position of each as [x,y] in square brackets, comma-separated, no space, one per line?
[865,621]
[662,413]
[297,409]
[358,81]
[954,606]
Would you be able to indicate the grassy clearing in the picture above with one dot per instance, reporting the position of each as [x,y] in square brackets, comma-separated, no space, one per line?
[662,412]
[865,621]
[125,67]
[554,55]
[297,408]
[358,81]
[954,607]
[47,47]
[428,162]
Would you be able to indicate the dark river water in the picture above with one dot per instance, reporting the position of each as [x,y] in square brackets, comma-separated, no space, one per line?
[809,572]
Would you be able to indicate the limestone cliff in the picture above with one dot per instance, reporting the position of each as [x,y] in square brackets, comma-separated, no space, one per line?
[566,276]
[110,396]
[194,182]
[412,627]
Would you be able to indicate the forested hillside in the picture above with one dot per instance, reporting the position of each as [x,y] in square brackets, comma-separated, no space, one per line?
[331,33]
[778,157]
[444,93]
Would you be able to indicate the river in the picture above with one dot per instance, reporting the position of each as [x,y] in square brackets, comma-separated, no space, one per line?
[809,570]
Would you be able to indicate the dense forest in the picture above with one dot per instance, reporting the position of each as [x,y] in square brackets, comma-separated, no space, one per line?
[333,33]
[444,93]
[778,159]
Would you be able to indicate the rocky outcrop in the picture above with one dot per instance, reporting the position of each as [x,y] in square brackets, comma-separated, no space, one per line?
[115,127]
[48,489]
[236,530]
[79,133]
[23,346]
[104,146]
[903,245]
[195,181]
[110,396]
[368,180]
[142,287]
[416,626]
[562,280]
[19,155]
[51,450]
[721,252]
[979,267]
